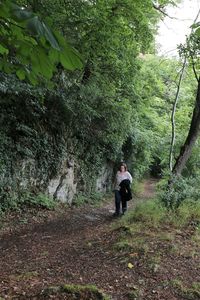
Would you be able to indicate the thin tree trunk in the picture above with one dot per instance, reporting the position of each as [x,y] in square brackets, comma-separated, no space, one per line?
[191,138]
[173,116]
[193,133]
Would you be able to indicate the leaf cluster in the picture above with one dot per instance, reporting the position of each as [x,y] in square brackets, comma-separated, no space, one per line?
[29,47]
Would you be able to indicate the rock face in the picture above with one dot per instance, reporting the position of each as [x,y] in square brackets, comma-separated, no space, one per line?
[36,137]
[104,180]
[63,187]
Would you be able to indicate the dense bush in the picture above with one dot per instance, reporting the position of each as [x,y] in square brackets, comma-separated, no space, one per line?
[182,189]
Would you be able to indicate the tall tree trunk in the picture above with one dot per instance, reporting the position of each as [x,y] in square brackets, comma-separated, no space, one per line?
[173,116]
[193,133]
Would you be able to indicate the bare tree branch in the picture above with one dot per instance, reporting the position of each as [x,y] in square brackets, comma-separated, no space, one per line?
[6,22]
[160,8]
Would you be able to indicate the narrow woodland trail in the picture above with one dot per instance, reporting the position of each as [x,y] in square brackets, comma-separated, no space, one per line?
[75,246]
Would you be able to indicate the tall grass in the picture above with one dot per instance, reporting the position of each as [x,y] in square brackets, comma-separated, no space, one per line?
[150,213]
[153,213]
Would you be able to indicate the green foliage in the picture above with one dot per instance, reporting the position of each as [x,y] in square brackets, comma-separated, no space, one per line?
[191,49]
[103,97]
[158,93]
[133,295]
[190,293]
[77,291]
[29,48]
[188,212]
[93,198]
[9,201]
[32,140]
[150,213]
[112,110]
[184,189]
[42,201]
[154,214]
[22,199]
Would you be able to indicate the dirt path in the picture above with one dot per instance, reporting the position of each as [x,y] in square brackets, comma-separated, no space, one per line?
[75,246]
[148,188]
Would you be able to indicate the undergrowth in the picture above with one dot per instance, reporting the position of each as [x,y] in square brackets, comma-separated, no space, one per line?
[27,200]
[151,224]
[93,199]
[154,214]
[190,293]
[74,292]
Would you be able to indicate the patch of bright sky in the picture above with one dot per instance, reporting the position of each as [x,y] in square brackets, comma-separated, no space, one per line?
[173,32]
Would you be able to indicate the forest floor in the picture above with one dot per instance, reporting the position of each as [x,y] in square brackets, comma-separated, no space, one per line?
[77,245]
